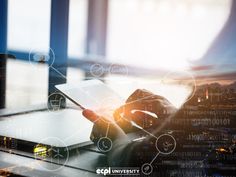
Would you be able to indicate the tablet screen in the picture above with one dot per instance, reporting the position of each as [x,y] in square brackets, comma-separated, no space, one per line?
[94,95]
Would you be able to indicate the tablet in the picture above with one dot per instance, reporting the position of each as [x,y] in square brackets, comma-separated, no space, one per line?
[94,95]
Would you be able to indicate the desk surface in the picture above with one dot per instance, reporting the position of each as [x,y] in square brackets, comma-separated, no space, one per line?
[82,162]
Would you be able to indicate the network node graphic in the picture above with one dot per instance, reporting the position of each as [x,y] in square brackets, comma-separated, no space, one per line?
[147,169]
[165,144]
[118,69]
[97,70]
[56,102]
[104,144]
[56,153]
[42,57]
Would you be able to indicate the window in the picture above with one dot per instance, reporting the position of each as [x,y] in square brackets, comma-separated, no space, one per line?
[77,27]
[28,25]
[28,30]
[166,33]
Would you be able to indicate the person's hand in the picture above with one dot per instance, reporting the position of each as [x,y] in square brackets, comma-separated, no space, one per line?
[103,127]
[138,107]
[145,109]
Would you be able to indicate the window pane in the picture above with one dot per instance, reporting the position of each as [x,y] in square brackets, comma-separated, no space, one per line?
[162,32]
[77,27]
[28,30]
[27,84]
[28,24]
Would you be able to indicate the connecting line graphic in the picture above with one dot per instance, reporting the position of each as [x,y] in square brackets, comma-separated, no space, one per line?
[108,127]
[154,158]
[58,72]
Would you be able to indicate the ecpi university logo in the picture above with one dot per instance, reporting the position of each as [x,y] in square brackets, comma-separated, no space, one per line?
[118,171]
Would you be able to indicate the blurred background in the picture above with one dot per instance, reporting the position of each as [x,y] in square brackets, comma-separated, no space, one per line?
[131,41]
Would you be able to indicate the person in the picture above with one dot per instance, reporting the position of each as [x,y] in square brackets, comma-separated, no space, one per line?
[147,110]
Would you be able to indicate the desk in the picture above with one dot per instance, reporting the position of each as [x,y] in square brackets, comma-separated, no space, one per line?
[82,162]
